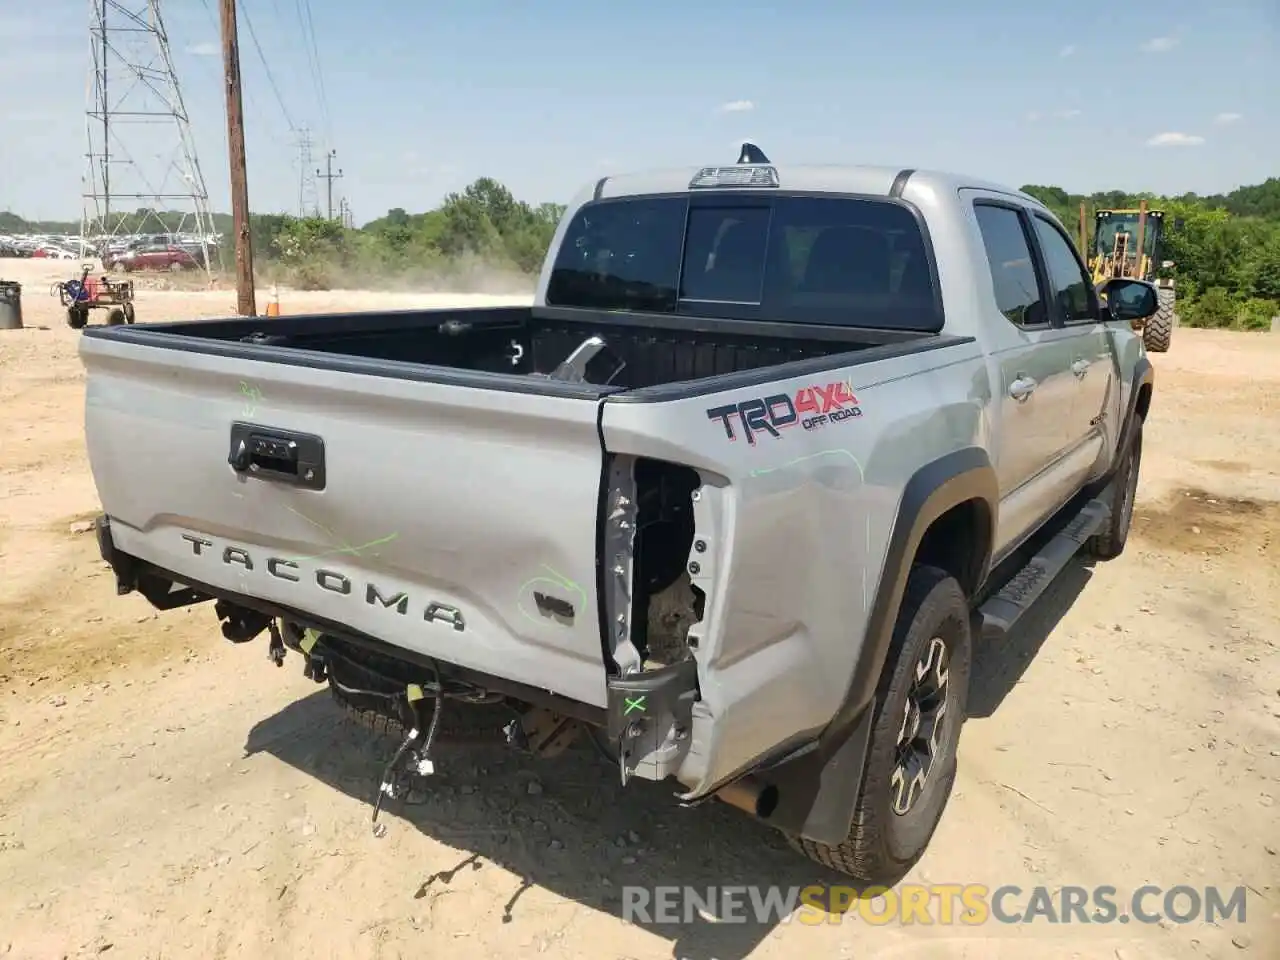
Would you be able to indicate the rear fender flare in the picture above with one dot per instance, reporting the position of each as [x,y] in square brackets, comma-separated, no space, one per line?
[818,787]
[960,476]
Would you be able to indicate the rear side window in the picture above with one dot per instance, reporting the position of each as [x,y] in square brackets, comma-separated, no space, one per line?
[826,260]
[1013,272]
[1071,286]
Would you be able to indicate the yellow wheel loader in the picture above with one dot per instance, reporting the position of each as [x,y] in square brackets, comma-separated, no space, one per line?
[1128,243]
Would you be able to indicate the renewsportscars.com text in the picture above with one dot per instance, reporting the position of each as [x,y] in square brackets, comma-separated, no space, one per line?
[939,903]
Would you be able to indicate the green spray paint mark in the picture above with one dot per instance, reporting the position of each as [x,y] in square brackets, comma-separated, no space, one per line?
[635,704]
[344,547]
[557,580]
[252,395]
[762,471]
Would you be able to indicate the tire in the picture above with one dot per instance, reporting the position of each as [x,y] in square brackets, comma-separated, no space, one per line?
[116,317]
[175,268]
[129,313]
[77,318]
[1157,332]
[931,650]
[1108,543]
[458,721]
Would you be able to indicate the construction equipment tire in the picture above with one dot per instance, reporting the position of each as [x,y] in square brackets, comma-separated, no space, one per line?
[1158,330]
[77,317]
[116,317]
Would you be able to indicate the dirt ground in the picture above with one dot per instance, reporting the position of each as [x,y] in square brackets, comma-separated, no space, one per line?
[165,794]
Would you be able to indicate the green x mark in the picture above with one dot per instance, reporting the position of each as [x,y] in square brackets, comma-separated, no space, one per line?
[636,704]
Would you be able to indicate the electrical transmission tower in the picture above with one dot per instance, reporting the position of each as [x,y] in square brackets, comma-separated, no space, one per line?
[308,196]
[141,155]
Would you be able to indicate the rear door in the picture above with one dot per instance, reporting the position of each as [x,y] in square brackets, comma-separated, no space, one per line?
[1079,317]
[1036,389]
[458,522]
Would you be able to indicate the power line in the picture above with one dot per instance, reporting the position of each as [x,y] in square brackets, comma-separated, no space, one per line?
[271,80]
[217,74]
[307,27]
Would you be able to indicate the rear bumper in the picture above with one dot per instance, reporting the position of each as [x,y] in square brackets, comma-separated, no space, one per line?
[166,590]
[648,698]
[816,789]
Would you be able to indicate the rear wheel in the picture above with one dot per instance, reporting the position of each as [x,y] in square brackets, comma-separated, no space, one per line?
[116,317]
[77,317]
[1157,332]
[911,758]
[129,313]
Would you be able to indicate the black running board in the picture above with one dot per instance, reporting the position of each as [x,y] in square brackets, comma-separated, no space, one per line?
[1016,597]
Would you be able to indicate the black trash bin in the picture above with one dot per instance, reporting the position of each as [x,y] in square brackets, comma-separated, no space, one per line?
[10,305]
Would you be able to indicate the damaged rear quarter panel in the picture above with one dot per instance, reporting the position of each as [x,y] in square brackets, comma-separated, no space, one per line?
[797,515]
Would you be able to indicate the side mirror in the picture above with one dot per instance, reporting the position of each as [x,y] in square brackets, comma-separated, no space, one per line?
[1129,299]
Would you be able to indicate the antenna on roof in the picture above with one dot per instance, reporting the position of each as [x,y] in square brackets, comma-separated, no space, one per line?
[752,154]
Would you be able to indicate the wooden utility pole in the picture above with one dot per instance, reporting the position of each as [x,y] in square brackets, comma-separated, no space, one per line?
[245,304]
[330,176]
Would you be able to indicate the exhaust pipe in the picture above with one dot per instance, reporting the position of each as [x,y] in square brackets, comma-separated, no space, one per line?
[751,796]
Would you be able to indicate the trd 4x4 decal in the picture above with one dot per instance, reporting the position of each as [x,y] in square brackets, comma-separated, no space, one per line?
[811,408]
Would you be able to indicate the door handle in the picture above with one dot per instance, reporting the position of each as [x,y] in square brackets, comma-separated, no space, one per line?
[285,456]
[1080,368]
[1022,388]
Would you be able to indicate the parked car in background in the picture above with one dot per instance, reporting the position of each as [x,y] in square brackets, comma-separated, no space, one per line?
[155,257]
[52,252]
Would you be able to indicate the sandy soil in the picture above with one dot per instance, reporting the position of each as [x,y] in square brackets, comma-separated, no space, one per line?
[164,794]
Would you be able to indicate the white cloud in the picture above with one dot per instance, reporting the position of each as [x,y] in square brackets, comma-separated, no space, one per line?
[1175,139]
[207,49]
[1033,116]
[1223,119]
[1068,50]
[1160,44]
[1068,114]
[737,106]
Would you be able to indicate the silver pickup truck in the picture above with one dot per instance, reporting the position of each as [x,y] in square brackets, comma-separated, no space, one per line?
[771,449]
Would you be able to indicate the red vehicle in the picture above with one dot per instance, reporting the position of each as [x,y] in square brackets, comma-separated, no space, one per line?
[155,257]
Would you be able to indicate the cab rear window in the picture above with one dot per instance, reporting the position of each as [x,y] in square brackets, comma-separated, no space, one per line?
[803,259]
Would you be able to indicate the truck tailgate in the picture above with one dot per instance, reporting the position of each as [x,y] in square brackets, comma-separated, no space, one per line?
[453,521]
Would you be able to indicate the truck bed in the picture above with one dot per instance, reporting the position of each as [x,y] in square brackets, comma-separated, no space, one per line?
[521,342]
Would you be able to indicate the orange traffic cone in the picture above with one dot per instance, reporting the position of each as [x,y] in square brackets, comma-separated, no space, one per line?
[273,308]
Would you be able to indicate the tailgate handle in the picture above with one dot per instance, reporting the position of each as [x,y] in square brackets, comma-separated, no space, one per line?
[284,456]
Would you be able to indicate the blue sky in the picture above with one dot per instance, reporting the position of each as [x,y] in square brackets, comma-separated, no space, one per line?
[420,98]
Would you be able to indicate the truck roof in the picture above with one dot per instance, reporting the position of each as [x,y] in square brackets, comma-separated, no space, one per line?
[825,178]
